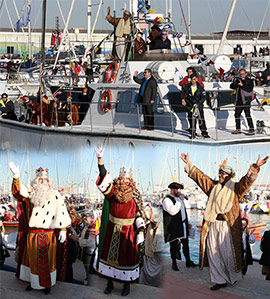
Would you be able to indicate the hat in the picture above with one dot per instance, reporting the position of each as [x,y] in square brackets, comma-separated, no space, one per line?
[4,94]
[176,185]
[126,172]
[228,170]
[126,12]
[42,172]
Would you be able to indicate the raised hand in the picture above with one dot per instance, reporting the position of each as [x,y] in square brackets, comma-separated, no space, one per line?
[99,151]
[15,169]
[136,73]
[185,157]
[108,10]
[260,162]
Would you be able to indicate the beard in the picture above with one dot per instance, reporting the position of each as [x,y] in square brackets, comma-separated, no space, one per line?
[123,191]
[41,191]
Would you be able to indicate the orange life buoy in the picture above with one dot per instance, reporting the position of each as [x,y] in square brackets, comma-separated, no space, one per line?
[111,72]
[106,100]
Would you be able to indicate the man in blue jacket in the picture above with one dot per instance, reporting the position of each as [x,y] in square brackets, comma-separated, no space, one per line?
[147,96]
[193,96]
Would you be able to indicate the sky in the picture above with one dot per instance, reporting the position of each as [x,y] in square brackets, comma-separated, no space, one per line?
[154,164]
[206,15]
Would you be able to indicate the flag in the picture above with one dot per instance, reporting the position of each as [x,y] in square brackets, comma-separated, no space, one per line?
[155,20]
[28,18]
[19,23]
[167,26]
[202,59]
[221,72]
[188,43]
[177,34]
[151,11]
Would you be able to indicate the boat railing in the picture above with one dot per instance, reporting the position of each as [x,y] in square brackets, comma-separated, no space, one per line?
[120,117]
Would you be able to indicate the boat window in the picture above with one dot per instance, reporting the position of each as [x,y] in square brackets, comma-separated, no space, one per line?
[124,101]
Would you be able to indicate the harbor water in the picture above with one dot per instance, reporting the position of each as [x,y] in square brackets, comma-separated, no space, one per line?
[195,217]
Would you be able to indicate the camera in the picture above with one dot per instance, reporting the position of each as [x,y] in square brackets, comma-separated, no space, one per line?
[237,80]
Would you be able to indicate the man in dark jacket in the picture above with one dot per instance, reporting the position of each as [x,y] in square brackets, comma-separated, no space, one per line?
[147,96]
[176,224]
[244,95]
[266,75]
[193,96]
[163,42]
[7,108]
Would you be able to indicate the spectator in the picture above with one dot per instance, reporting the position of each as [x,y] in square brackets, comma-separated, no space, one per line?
[11,70]
[7,108]
[163,42]
[190,70]
[139,44]
[87,244]
[154,34]
[147,96]
[244,96]
[247,239]
[266,75]
[265,257]
[193,96]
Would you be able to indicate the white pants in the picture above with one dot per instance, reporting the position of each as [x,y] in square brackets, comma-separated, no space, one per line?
[220,254]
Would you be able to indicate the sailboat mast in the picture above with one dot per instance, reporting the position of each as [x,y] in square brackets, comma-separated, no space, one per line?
[89,19]
[44,4]
[222,42]
[189,22]
[29,30]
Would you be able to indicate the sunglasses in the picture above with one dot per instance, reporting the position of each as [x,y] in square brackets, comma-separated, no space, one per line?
[164,34]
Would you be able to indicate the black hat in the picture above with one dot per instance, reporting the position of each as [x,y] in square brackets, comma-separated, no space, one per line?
[176,185]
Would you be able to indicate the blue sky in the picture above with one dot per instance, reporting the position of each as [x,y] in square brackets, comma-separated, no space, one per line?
[153,163]
[207,15]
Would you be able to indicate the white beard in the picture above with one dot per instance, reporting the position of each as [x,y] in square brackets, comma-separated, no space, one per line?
[40,192]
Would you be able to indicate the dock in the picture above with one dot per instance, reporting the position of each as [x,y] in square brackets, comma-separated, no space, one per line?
[187,283]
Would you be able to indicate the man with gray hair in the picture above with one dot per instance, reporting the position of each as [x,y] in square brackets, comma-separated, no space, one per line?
[42,213]
[221,235]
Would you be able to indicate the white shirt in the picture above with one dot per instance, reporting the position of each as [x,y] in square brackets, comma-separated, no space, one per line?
[173,209]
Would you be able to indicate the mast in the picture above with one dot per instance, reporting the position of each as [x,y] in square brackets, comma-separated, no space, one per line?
[89,19]
[189,22]
[222,42]
[44,3]
[29,30]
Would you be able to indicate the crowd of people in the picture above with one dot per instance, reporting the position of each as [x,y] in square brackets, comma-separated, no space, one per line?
[123,244]
[43,111]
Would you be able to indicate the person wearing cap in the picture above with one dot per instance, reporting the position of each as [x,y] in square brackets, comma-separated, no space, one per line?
[176,225]
[42,213]
[122,227]
[221,234]
[122,31]
[7,108]
[162,42]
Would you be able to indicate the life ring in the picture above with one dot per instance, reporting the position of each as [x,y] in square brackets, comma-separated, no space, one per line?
[111,72]
[106,100]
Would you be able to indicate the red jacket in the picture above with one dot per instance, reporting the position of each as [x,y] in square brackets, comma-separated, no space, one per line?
[185,81]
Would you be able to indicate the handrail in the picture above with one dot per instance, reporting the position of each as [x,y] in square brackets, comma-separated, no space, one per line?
[168,112]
